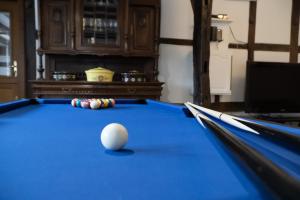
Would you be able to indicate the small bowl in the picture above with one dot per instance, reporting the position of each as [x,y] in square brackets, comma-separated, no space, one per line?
[63,76]
[133,77]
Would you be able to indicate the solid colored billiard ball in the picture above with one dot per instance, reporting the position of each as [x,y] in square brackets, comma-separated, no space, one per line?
[78,102]
[114,136]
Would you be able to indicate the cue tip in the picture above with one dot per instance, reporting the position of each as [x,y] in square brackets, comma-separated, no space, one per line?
[195,113]
[232,120]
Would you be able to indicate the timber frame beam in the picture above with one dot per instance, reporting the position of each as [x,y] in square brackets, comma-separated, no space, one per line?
[294,49]
[201,50]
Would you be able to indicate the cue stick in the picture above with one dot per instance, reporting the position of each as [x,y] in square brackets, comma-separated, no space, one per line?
[225,118]
[291,141]
[279,181]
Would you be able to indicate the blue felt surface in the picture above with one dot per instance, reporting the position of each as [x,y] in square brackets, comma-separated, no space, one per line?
[53,151]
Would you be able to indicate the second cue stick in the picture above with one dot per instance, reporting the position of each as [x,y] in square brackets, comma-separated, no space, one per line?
[285,139]
[291,141]
[280,182]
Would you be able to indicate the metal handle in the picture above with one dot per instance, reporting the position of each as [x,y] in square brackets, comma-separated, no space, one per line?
[15,68]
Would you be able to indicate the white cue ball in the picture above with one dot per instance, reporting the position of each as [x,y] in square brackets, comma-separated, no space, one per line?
[114,136]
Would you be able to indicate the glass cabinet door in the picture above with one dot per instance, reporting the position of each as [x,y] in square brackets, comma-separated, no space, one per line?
[100,24]
[6,68]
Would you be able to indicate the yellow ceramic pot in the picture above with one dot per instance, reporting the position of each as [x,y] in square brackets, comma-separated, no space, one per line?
[99,74]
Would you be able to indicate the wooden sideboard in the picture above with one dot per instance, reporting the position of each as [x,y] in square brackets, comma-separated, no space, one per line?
[120,35]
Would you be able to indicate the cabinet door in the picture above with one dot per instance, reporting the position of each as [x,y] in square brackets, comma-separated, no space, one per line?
[142,29]
[99,25]
[56,24]
[12,69]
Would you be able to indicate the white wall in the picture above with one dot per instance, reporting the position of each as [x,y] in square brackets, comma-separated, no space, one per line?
[175,64]
[177,72]
[273,21]
[272,56]
[177,19]
[238,12]
[273,25]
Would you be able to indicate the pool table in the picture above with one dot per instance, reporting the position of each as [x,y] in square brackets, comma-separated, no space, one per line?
[51,150]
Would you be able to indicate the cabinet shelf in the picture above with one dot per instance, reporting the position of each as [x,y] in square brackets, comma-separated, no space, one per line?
[91,32]
[97,6]
[90,52]
[97,13]
[54,82]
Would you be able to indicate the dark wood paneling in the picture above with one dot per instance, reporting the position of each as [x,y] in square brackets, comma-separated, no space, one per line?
[176,41]
[264,47]
[271,47]
[30,36]
[217,98]
[58,28]
[294,31]
[201,51]
[10,91]
[145,2]
[142,29]
[156,39]
[56,24]
[237,46]
[251,30]
[126,27]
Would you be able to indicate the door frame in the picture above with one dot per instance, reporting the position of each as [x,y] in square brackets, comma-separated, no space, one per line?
[18,42]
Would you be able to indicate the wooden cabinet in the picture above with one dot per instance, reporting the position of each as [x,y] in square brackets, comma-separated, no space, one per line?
[57,24]
[120,35]
[83,89]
